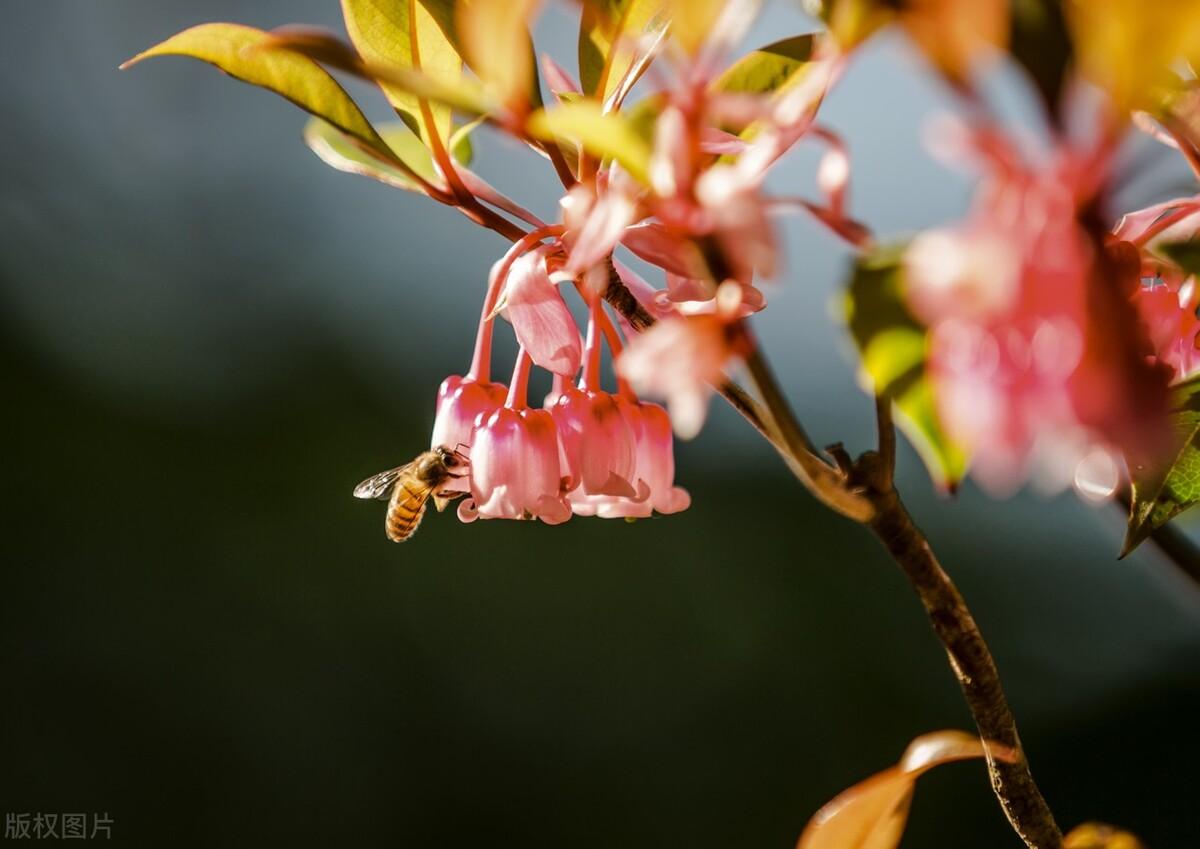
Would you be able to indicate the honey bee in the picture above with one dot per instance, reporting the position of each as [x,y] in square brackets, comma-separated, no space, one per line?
[407,488]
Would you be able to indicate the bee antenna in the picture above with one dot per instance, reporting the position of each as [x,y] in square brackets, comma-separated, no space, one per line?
[463,450]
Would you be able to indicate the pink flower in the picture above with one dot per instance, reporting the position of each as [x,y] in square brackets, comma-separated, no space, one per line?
[655,470]
[736,213]
[681,358]
[967,272]
[595,216]
[539,315]
[515,470]
[1167,297]
[461,402]
[1169,312]
[598,447]
[1036,356]
[673,252]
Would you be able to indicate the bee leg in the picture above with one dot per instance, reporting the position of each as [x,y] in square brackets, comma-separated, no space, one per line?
[441,499]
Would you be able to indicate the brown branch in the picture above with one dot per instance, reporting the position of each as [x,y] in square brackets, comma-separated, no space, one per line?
[973,666]
[870,479]
[863,490]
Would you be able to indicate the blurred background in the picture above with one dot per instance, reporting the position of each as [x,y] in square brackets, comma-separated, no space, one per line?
[209,337]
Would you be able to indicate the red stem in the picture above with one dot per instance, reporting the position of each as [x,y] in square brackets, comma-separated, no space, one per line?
[481,361]
[518,390]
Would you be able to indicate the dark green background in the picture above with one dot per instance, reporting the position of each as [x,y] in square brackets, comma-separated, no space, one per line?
[208,338]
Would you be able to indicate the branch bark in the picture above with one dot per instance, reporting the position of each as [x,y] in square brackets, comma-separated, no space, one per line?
[973,666]
[870,479]
[863,490]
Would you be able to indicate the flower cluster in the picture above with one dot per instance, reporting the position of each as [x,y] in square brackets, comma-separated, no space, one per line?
[1038,337]
[585,451]
[700,216]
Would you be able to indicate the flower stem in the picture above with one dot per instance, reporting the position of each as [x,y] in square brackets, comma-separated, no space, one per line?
[518,389]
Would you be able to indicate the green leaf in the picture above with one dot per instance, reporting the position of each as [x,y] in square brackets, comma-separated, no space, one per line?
[768,69]
[460,142]
[609,136]
[608,34]
[1185,254]
[495,37]
[416,35]
[410,156]
[1163,490]
[230,47]
[894,347]
[1041,43]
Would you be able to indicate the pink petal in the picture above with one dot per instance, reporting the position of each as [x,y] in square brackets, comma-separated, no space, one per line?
[720,143]
[652,242]
[540,317]
[678,359]
[596,442]
[600,233]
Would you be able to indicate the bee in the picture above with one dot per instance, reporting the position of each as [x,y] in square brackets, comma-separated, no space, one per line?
[407,488]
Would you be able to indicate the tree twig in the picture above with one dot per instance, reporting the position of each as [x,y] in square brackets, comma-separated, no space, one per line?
[870,479]
[973,666]
[863,490]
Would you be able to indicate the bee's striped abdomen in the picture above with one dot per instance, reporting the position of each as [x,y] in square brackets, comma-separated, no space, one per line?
[405,509]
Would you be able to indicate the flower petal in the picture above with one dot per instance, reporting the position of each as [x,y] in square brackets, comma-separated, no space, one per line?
[540,317]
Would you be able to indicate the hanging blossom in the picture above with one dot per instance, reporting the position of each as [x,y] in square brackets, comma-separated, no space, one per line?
[704,219]
[1037,355]
[586,451]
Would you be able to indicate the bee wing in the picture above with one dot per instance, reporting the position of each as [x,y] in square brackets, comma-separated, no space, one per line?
[379,487]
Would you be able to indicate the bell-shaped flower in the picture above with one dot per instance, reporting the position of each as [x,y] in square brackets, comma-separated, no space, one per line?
[539,315]
[460,402]
[654,469]
[598,446]
[656,458]
[515,471]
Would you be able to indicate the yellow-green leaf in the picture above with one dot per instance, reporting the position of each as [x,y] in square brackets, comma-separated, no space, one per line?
[609,35]
[692,21]
[411,156]
[414,35]
[609,136]
[768,69]
[1131,51]
[1163,490]
[495,37]
[230,47]
[872,814]
[893,347]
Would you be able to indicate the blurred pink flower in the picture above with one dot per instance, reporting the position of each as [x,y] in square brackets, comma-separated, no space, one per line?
[1036,354]
[681,358]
